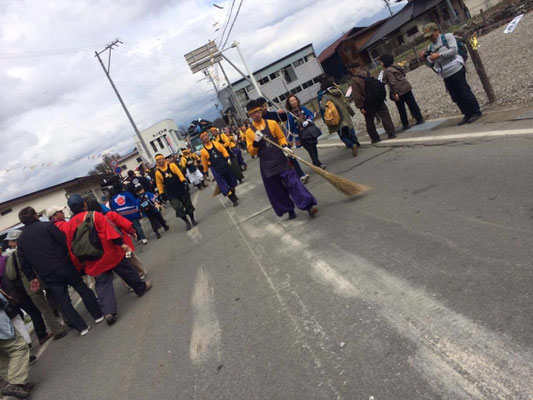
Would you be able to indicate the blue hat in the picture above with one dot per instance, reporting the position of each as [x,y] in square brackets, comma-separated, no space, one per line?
[75,201]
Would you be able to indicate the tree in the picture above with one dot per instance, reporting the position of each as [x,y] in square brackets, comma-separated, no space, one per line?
[104,166]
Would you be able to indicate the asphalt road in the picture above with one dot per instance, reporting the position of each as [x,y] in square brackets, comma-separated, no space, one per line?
[420,289]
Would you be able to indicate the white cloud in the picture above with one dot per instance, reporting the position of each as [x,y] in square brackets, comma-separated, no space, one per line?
[58,105]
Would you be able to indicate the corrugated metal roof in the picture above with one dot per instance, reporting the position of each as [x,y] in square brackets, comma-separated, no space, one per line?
[411,11]
[330,50]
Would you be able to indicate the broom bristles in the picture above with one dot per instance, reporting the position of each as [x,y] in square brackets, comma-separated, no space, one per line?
[217,191]
[343,185]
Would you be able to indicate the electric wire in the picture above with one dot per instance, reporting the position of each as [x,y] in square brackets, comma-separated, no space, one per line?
[233,24]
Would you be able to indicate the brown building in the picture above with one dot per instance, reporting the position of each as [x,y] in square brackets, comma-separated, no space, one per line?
[403,31]
[347,49]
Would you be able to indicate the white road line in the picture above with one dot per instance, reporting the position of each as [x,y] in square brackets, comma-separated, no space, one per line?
[205,334]
[461,136]
[460,356]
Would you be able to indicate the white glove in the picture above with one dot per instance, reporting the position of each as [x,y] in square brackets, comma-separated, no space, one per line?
[258,136]
[288,152]
[306,123]
[229,161]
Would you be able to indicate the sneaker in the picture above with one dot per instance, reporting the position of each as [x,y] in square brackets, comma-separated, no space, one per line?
[166,228]
[148,287]
[474,117]
[312,211]
[110,319]
[98,320]
[376,141]
[194,222]
[143,275]
[354,150]
[420,122]
[323,166]
[406,127]
[32,359]
[29,386]
[18,391]
[60,335]
[158,235]
[85,331]
[292,214]
[46,339]
[392,136]
[305,178]
[144,241]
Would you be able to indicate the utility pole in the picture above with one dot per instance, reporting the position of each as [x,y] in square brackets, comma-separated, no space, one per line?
[109,47]
[252,78]
[387,3]
[233,96]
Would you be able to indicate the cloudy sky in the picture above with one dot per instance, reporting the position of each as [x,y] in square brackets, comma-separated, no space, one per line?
[57,109]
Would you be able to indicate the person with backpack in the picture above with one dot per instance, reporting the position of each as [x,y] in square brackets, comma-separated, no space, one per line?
[337,113]
[100,245]
[283,188]
[447,56]
[126,204]
[400,90]
[368,95]
[300,122]
[151,208]
[173,186]
[43,253]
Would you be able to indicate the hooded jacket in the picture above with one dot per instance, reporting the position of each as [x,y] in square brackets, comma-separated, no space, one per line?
[336,96]
[394,76]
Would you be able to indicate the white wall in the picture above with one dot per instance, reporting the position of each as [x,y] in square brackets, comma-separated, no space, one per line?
[476,5]
[154,138]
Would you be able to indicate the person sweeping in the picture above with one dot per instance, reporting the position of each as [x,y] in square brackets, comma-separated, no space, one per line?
[282,185]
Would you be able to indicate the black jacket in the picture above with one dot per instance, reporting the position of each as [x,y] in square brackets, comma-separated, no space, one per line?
[42,248]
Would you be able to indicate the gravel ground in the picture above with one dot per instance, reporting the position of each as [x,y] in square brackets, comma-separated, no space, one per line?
[508,61]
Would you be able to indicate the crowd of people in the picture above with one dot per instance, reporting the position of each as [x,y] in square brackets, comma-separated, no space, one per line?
[44,258]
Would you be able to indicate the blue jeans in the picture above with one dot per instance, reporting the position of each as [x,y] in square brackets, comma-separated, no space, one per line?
[348,137]
[138,229]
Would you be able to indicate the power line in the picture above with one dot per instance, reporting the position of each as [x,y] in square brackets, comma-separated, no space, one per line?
[231,28]
[42,53]
[227,21]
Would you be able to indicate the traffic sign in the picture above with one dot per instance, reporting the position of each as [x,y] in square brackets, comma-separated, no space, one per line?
[203,57]
[114,163]
[118,170]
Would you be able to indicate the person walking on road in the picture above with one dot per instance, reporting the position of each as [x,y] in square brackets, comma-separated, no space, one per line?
[369,94]
[14,357]
[113,257]
[225,141]
[282,185]
[444,57]
[14,273]
[345,128]
[216,156]
[43,253]
[172,184]
[300,122]
[126,204]
[151,209]
[401,91]
[188,163]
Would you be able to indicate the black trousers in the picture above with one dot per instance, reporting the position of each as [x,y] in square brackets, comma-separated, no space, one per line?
[409,99]
[58,283]
[157,221]
[182,204]
[383,113]
[31,309]
[310,147]
[461,93]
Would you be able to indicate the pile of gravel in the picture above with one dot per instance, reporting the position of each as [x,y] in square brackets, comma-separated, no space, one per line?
[508,60]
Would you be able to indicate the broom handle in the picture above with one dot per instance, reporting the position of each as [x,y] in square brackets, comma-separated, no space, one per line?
[294,155]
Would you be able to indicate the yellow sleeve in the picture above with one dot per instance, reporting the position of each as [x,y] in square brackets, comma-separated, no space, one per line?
[159,181]
[250,135]
[183,161]
[205,159]
[277,132]
[222,149]
[175,169]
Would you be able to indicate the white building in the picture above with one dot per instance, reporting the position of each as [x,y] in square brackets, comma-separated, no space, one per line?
[129,161]
[57,195]
[296,73]
[475,6]
[162,138]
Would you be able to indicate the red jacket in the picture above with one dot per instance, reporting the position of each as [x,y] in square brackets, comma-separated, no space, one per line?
[125,226]
[64,227]
[113,253]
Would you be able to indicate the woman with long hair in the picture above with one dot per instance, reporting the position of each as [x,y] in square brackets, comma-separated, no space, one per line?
[400,90]
[300,122]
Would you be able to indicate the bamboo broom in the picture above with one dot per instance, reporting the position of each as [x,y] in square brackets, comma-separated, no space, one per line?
[343,185]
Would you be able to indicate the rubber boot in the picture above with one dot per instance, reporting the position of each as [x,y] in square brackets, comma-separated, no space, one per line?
[194,222]
[189,226]
[233,198]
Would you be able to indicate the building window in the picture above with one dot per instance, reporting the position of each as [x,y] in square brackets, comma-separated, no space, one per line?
[160,143]
[297,89]
[249,88]
[152,143]
[299,62]
[123,168]
[264,80]
[400,39]
[374,53]
[309,57]
[274,75]
[242,96]
[283,97]
[288,74]
[316,80]
[412,31]
[307,84]
[275,100]
[6,211]
[139,159]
